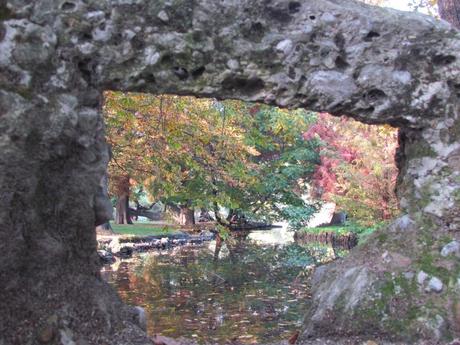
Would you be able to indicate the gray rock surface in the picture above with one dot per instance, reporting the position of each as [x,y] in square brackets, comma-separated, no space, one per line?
[434,285]
[452,248]
[57,57]
[422,277]
[140,317]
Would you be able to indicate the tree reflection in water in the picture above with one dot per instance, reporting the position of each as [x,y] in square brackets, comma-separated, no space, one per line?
[223,291]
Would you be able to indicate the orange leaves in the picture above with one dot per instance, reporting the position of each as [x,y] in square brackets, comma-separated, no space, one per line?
[172,138]
[357,166]
[252,151]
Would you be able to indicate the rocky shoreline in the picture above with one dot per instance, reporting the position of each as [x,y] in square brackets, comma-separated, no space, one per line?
[113,246]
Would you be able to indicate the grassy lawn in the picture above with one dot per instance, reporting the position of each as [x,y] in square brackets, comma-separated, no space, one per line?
[141,229]
[361,231]
[339,230]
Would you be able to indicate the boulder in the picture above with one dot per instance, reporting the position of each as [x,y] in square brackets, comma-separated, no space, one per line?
[434,285]
[140,317]
[106,257]
[125,252]
[452,248]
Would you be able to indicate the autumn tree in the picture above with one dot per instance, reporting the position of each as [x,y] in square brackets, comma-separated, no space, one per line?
[199,139]
[248,159]
[357,169]
[138,127]
[167,146]
[271,181]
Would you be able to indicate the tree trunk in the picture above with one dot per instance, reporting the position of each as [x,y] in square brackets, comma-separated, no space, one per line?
[449,10]
[182,214]
[187,216]
[173,212]
[122,208]
[219,243]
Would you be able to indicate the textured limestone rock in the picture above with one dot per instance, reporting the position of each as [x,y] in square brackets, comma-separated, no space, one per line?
[435,285]
[452,248]
[421,277]
[57,57]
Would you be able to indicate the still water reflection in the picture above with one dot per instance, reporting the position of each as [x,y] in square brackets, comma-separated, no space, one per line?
[257,290]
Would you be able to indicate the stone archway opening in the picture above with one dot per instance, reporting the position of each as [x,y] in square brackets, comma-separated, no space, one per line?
[376,65]
[149,115]
[135,120]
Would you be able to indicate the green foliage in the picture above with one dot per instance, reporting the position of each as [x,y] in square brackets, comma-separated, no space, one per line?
[202,153]
[363,232]
[339,230]
[298,216]
[5,12]
[141,229]
[281,166]
[223,232]
[295,256]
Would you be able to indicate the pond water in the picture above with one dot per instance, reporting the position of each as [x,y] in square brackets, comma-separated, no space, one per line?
[256,289]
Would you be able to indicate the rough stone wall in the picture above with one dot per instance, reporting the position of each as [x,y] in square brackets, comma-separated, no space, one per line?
[57,57]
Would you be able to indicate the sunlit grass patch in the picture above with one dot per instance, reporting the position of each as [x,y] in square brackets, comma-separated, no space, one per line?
[361,231]
[338,230]
[142,229]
